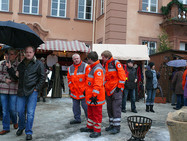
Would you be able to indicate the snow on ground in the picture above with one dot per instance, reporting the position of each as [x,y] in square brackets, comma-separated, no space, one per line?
[52,123]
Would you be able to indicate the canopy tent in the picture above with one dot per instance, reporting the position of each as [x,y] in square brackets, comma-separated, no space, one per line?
[123,51]
[59,45]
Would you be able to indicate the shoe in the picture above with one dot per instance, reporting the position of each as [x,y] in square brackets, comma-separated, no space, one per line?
[147,108]
[19,132]
[16,126]
[114,131]
[44,100]
[134,111]
[109,128]
[3,132]
[28,137]
[75,122]
[176,108]
[151,109]
[123,110]
[95,134]
[85,129]
[173,104]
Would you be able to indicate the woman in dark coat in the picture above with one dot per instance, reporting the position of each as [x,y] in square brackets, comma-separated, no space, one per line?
[151,86]
[57,82]
[177,85]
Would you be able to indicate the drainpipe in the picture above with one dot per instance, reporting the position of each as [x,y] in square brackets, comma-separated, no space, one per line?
[105,1]
[94,23]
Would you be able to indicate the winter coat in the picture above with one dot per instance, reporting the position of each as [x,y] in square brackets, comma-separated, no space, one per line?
[115,76]
[95,84]
[132,75]
[4,87]
[77,79]
[31,76]
[149,79]
[177,82]
[57,81]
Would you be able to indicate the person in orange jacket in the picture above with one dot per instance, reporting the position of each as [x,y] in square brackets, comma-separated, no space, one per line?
[184,86]
[76,81]
[95,96]
[114,86]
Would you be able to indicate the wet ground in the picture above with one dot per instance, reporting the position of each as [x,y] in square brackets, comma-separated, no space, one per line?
[52,123]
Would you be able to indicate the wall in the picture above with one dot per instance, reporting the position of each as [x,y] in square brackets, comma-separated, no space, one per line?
[142,24]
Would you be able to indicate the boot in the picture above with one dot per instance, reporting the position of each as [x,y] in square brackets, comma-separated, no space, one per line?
[147,108]
[95,134]
[151,108]
[109,128]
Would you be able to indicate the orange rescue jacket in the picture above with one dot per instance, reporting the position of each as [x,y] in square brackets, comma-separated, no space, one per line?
[95,84]
[115,76]
[77,79]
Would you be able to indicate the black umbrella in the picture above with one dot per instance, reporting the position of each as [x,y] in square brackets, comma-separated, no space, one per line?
[18,35]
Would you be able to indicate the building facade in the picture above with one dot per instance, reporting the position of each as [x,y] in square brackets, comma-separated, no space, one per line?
[101,21]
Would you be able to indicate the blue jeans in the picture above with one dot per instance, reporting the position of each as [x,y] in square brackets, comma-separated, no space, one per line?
[180,101]
[1,110]
[173,98]
[124,99]
[150,97]
[185,101]
[9,110]
[77,108]
[30,102]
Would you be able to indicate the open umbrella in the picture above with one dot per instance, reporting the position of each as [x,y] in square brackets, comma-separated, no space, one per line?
[18,35]
[177,63]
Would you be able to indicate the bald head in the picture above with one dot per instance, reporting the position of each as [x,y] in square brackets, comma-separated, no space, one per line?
[76,59]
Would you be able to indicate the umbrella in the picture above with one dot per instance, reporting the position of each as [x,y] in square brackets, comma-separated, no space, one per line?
[18,35]
[177,63]
[6,47]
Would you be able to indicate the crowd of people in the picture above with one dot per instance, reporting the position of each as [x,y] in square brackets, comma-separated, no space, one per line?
[23,80]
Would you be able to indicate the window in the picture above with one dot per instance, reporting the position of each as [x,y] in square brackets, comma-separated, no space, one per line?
[102,7]
[150,5]
[31,6]
[183,1]
[58,8]
[151,46]
[183,46]
[85,9]
[4,5]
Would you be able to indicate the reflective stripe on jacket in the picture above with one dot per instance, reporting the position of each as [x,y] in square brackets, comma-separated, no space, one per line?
[95,84]
[115,76]
[77,79]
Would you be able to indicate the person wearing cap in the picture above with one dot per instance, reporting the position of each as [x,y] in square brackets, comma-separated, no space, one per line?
[151,86]
[130,85]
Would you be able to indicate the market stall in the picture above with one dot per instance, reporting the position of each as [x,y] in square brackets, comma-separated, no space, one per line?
[123,52]
[61,52]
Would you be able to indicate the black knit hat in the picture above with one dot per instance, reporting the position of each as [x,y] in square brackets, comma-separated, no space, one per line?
[151,64]
[130,61]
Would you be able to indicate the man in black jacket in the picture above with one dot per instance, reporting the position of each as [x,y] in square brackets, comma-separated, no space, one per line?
[31,75]
[130,86]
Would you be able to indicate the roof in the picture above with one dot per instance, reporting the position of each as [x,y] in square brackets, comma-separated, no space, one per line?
[59,45]
[123,51]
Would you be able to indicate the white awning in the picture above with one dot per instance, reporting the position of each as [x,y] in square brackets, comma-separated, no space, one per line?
[58,45]
[123,51]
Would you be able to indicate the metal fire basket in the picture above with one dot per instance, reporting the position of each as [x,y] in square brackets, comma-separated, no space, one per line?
[139,126]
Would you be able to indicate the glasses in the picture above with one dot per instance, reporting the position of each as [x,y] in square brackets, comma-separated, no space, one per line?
[11,54]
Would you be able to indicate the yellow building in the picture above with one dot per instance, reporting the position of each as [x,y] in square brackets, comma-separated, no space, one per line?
[100,21]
